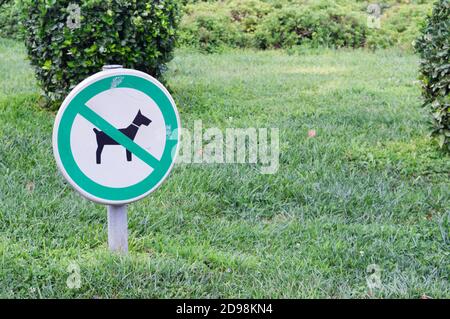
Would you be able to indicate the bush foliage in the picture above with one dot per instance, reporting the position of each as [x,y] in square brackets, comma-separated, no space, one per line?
[209,28]
[433,47]
[293,26]
[212,25]
[10,24]
[136,34]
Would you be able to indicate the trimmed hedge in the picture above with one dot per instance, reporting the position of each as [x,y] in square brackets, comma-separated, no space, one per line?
[433,47]
[64,51]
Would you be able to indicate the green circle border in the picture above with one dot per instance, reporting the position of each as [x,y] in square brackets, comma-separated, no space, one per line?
[65,126]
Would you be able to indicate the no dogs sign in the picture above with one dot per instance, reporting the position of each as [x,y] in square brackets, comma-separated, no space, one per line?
[116,136]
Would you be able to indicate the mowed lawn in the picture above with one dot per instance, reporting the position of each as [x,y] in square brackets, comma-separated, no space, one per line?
[369,189]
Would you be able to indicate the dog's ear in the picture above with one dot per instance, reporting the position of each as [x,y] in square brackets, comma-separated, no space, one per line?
[139,112]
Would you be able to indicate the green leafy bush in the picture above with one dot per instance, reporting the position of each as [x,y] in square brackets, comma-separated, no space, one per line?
[433,46]
[64,50]
[380,39]
[260,24]
[329,26]
[400,25]
[248,13]
[10,23]
[209,27]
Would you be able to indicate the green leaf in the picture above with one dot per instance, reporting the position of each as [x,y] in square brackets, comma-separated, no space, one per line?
[47,65]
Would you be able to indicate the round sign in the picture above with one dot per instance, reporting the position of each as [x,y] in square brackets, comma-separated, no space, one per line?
[116,136]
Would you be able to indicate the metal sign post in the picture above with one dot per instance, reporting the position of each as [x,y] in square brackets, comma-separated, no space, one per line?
[117,228]
[115,140]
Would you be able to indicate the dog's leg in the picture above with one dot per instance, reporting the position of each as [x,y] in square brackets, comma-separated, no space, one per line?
[128,156]
[99,153]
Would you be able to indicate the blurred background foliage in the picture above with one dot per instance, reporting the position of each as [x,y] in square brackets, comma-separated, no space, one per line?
[214,25]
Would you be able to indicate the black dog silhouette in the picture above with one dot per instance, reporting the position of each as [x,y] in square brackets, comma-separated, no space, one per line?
[130,131]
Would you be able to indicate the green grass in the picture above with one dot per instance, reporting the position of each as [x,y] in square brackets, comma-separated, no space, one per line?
[370,188]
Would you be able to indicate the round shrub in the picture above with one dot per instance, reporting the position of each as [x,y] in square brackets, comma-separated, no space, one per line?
[433,46]
[67,43]
[328,26]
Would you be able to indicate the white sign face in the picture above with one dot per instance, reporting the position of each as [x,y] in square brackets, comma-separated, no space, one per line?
[116,136]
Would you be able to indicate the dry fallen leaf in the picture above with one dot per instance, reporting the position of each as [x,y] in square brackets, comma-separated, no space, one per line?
[30,187]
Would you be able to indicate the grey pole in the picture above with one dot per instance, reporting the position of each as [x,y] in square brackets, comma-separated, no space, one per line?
[117,214]
[117,228]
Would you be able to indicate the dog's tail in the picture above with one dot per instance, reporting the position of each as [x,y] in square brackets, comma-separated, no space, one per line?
[96,131]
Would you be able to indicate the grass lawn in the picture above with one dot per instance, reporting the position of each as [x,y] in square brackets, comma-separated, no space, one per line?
[370,188]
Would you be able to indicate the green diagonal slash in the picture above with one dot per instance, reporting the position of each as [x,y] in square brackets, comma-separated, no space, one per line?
[118,136]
